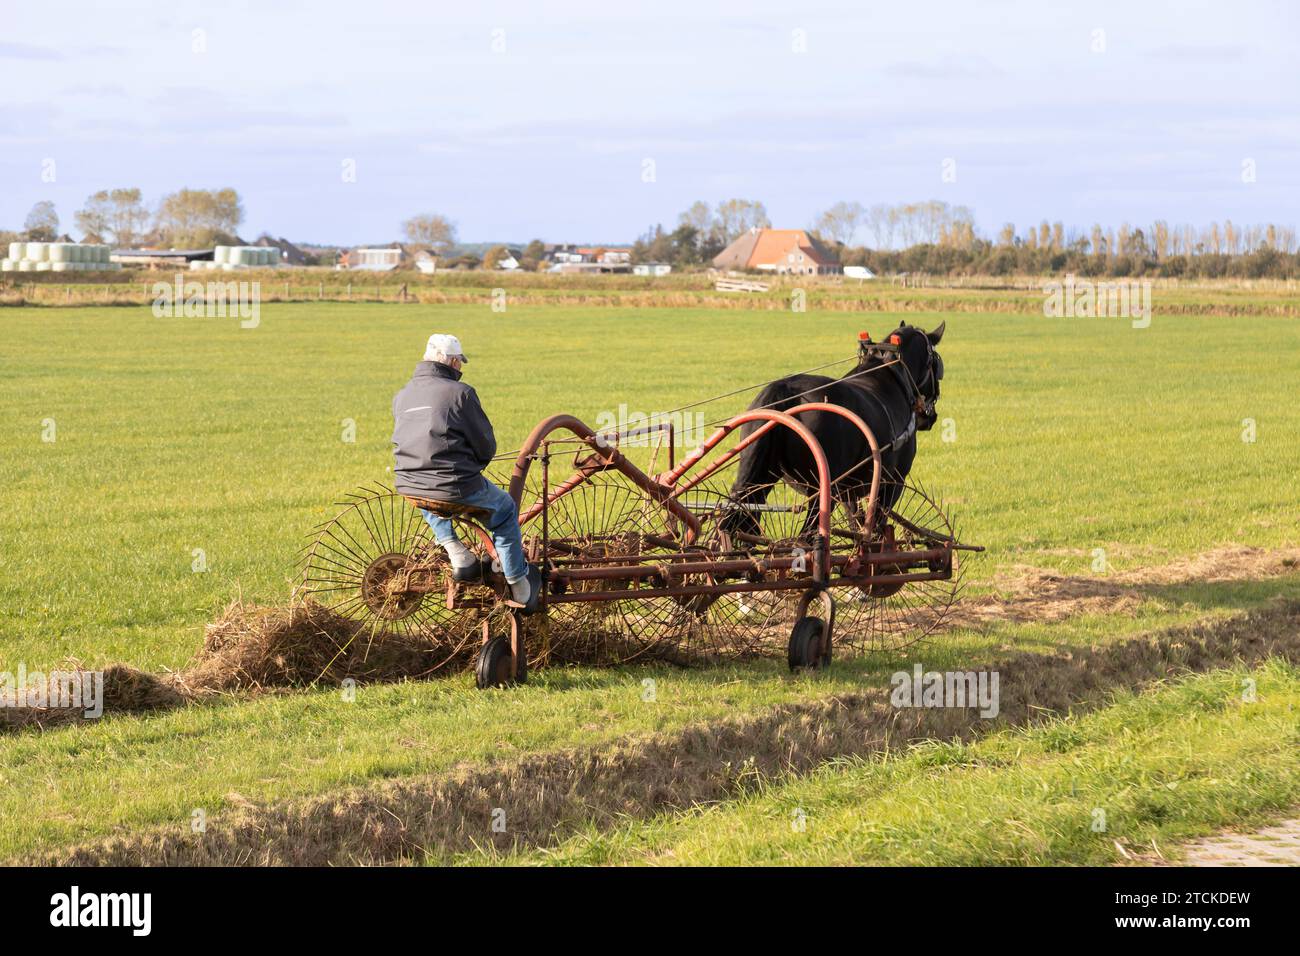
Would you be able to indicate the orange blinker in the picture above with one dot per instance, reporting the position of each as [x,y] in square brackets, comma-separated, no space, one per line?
[895,340]
[864,336]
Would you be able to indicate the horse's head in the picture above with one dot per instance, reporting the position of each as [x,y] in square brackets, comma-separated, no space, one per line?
[918,354]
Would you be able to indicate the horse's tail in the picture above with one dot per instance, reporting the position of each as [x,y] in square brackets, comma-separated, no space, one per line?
[759,467]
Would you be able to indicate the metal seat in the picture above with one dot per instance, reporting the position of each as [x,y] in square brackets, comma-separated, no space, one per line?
[450,509]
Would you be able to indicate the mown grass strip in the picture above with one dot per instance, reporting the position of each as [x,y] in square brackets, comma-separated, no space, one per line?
[1123,783]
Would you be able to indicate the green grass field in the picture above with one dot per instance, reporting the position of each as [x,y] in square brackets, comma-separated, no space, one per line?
[177,435]
[173,435]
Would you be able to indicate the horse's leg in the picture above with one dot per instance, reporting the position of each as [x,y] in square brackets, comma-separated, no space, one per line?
[755,475]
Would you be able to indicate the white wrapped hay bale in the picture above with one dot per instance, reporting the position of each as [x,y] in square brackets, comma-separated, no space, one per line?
[43,265]
[38,252]
[17,250]
[26,265]
[221,254]
[58,252]
[6,265]
[61,266]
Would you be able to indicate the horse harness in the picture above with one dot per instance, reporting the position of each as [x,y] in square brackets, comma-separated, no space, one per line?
[889,355]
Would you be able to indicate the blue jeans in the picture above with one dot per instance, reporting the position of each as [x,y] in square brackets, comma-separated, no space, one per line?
[503,523]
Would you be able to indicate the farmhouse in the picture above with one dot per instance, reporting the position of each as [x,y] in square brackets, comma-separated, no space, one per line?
[777,250]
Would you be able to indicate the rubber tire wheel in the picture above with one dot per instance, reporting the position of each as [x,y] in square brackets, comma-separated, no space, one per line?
[804,652]
[493,668]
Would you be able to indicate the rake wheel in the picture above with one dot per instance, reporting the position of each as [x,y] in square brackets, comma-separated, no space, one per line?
[893,616]
[784,518]
[360,565]
[604,517]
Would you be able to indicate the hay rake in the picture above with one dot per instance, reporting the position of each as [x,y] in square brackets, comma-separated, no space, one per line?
[641,563]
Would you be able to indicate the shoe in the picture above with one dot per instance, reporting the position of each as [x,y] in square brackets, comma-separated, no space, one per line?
[534,592]
[470,574]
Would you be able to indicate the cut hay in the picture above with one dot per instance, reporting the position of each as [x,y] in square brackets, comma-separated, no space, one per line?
[252,648]
[125,690]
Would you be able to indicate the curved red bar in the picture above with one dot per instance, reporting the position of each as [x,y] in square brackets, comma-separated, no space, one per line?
[610,453]
[873,496]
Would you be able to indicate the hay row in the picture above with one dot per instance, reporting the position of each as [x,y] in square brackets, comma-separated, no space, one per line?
[251,649]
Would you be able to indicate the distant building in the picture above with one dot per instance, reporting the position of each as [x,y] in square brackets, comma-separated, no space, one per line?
[792,251]
[557,253]
[510,261]
[652,269]
[426,262]
[290,254]
[161,257]
[571,258]
[371,259]
[858,272]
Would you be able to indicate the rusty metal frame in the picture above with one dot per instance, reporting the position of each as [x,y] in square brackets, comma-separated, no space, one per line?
[665,572]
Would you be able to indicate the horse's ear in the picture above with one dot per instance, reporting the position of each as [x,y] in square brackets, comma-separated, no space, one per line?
[937,334]
[902,324]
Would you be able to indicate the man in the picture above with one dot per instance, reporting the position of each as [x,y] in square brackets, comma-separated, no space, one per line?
[442,441]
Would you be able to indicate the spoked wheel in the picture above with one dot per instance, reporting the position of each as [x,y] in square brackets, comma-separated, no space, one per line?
[891,616]
[362,565]
[722,626]
[600,520]
[780,520]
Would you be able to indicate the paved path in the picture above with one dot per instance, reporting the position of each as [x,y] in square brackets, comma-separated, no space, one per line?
[1273,846]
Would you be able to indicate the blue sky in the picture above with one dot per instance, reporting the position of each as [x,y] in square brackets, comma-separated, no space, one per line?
[522,120]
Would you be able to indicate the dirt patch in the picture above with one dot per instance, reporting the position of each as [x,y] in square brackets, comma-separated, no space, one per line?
[1028,594]
[545,797]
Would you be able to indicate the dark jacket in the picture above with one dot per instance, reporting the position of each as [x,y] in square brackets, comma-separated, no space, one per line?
[442,441]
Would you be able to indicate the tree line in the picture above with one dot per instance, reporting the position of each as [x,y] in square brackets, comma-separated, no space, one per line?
[929,237]
[938,238]
[186,219]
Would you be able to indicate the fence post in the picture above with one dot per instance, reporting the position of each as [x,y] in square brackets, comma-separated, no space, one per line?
[320,293]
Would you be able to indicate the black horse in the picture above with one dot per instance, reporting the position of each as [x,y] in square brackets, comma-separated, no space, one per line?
[893,388]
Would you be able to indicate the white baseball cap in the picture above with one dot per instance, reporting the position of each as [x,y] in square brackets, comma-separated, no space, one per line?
[442,347]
